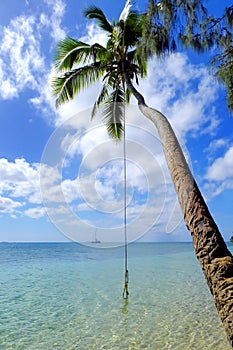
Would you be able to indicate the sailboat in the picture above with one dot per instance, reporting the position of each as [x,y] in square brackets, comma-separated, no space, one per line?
[96,239]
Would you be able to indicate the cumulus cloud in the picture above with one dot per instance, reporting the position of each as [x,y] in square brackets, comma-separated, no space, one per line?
[9,206]
[53,19]
[20,188]
[95,192]
[94,34]
[70,189]
[222,168]
[219,175]
[183,92]
[22,59]
[20,179]
[35,213]
[216,146]
[93,189]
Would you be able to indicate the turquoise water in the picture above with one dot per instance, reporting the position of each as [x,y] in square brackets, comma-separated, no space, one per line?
[66,296]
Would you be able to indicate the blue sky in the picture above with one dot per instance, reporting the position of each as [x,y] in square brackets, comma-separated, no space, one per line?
[61,161]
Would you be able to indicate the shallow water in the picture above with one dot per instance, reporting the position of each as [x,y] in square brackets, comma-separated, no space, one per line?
[67,296]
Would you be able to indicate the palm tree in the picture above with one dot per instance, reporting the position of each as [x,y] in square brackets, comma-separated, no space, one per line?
[119,64]
[85,64]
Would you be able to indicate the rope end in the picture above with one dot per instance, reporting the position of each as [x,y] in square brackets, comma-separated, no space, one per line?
[126,292]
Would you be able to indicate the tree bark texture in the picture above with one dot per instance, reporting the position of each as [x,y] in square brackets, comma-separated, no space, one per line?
[215,259]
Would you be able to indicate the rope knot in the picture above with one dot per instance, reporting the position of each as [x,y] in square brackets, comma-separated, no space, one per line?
[126,292]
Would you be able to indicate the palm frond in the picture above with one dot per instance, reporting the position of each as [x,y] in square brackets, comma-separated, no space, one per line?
[137,58]
[66,86]
[133,28]
[140,59]
[71,51]
[114,113]
[93,12]
[101,98]
[99,53]
[128,95]
[125,12]
[79,65]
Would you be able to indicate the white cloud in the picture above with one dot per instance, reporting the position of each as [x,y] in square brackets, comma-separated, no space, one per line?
[101,192]
[53,20]
[183,92]
[7,205]
[94,35]
[215,145]
[90,141]
[20,52]
[100,188]
[95,164]
[8,90]
[20,180]
[96,188]
[219,175]
[22,60]
[222,168]
[21,187]
[70,189]
[35,213]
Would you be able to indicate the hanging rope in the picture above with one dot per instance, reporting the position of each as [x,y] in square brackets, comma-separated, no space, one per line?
[125,291]
[126,284]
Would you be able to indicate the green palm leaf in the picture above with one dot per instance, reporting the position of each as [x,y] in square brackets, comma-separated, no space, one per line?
[71,51]
[66,86]
[128,95]
[93,12]
[133,28]
[114,113]
[101,98]
[138,57]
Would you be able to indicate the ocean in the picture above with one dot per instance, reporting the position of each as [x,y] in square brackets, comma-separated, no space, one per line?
[67,296]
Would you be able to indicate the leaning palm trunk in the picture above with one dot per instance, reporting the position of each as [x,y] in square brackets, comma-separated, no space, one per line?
[215,259]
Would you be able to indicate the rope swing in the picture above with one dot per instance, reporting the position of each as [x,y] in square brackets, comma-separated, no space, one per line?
[125,291]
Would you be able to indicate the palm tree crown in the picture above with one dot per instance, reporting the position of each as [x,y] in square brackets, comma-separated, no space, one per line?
[79,65]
